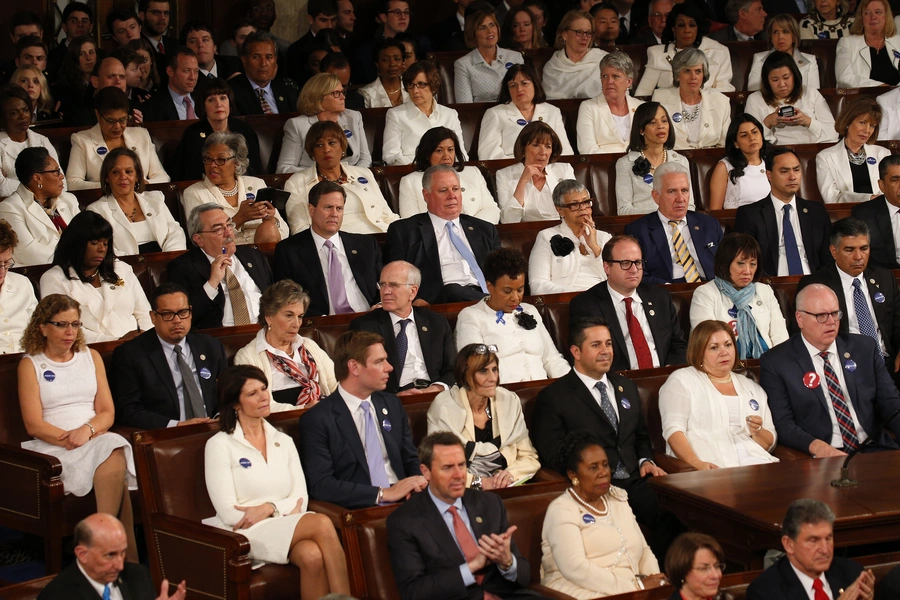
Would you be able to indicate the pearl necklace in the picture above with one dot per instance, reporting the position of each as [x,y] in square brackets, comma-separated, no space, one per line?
[588,505]
[665,158]
[722,381]
[623,548]
[232,192]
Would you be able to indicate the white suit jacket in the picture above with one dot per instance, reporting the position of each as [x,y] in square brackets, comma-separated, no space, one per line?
[807,63]
[890,115]
[566,79]
[167,232]
[89,149]
[811,103]
[715,117]
[405,125]
[37,233]
[708,303]
[833,173]
[658,72]
[502,124]
[204,191]
[538,204]
[17,302]
[375,96]
[853,63]
[597,131]
[574,272]
[8,180]
[477,198]
[294,158]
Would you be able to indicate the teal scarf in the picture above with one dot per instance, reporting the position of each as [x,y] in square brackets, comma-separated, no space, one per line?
[750,342]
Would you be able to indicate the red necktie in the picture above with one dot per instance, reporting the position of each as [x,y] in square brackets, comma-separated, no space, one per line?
[641,349]
[820,590]
[469,547]
[160,48]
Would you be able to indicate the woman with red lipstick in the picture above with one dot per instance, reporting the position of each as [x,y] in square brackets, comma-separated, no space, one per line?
[711,416]
[16,117]
[740,177]
[694,564]
[478,74]
[591,542]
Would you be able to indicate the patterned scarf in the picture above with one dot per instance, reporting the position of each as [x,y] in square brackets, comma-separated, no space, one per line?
[310,391]
[750,341]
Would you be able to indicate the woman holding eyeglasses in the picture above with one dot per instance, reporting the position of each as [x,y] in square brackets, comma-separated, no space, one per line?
[322,99]
[16,135]
[90,147]
[572,70]
[17,299]
[479,74]
[694,564]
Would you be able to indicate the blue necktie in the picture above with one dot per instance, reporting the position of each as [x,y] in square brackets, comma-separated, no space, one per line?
[106,592]
[795,265]
[863,316]
[375,460]
[402,346]
[606,407]
[467,256]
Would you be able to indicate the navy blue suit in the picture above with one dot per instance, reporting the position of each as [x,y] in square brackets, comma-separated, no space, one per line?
[801,414]
[779,582]
[706,233]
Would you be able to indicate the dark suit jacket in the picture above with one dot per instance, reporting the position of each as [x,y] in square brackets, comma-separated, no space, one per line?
[226,66]
[425,558]
[448,36]
[134,583]
[759,220]
[333,457]
[802,415]
[882,246]
[706,233]
[412,239]
[727,34]
[567,405]
[187,164]
[160,106]
[644,37]
[170,44]
[246,102]
[435,337]
[671,346]
[296,259]
[779,582]
[191,270]
[143,388]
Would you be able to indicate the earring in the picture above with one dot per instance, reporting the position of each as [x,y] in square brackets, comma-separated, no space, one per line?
[574,481]
[40,186]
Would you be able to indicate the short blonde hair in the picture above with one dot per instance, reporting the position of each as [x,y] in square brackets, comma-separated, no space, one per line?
[567,20]
[858,28]
[310,101]
[33,340]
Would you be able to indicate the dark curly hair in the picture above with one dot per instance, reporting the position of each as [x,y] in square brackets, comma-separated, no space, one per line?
[572,446]
[504,261]
[429,142]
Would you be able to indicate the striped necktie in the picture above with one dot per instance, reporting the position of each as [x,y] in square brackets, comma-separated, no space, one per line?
[840,406]
[266,108]
[684,257]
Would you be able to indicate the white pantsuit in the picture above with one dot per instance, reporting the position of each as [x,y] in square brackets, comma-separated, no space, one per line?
[597,130]
[574,272]
[658,71]
[833,174]
[293,156]
[248,187]
[375,95]
[37,234]
[477,200]
[167,232]
[405,125]
[538,203]
[853,61]
[89,149]
[9,151]
[502,124]
[807,63]
[812,104]
[715,117]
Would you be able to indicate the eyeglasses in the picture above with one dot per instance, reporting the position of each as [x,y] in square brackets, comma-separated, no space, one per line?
[707,569]
[398,12]
[6,266]
[169,315]
[337,95]
[582,33]
[390,285]
[418,85]
[485,348]
[219,162]
[823,317]
[122,121]
[219,229]
[515,84]
[625,265]
[579,205]
[57,171]
[65,324]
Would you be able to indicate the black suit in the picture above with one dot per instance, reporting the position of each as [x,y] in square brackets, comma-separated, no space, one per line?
[882,246]
[187,164]
[671,346]
[413,240]
[779,582]
[426,559]
[728,34]
[246,100]
[333,456]
[435,341]
[169,43]
[226,66]
[191,270]
[142,384]
[134,582]
[448,36]
[296,258]
[161,107]
[759,220]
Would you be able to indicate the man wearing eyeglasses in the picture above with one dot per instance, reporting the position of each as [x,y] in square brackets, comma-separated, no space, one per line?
[167,376]
[155,15]
[826,391]
[394,17]
[656,23]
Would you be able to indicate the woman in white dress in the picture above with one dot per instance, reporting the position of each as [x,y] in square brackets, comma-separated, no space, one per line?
[141,222]
[573,70]
[568,257]
[477,76]
[525,189]
[604,122]
[848,171]
[68,409]
[791,112]
[783,34]
[440,146]
[522,101]
[256,484]
[16,117]
[740,177]
[387,89]
[405,124]
[868,56]
[700,115]
[711,416]
[17,299]
[516,329]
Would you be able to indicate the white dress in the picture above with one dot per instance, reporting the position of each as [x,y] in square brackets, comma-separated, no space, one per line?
[752,186]
[67,398]
[538,203]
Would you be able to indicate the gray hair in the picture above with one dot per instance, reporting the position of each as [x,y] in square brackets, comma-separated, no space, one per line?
[620,61]
[433,170]
[566,187]
[194,218]
[278,295]
[236,143]
[413,274]
[847,227]
[734,7]
[805,511]
[668,168]
[260,35]
[687,58]
[800,300]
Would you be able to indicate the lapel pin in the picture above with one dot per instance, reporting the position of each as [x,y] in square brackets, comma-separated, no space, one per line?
[203,135]
[872,281]
[696,228]
[353,252]
[202,357]
[462,189]
[278,444]
[621,389]
[249,265]
[424,328]
[649,304]
[846,355]
[806,210]
[479,520]
[759,302]
[652,313]
[281,98]
[149,214]
[471,229]
[384,411]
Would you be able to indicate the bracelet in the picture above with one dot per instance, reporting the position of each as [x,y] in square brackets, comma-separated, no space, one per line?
[275,514]
[93,431]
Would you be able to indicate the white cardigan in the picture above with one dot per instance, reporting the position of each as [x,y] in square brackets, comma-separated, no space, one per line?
[204,191]
[375,96]
[405,125]
[821,127]
[89,149]
[502,124]
[715,117]
[807,63]
[658,71]
[566,79]
[833,173]
[294,158]
[166,230]
[9,151]
[37,233]
[575,272]
[708,303]
[538,204]
[17,302]
[853,63]
[477,200]
[597,130]
[689,403]
[254,353]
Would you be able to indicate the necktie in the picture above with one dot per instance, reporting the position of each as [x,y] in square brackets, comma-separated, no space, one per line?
[160,48]
[684,257]
[193,397]
[641,348]
[402,347]
[189,108]
[466,255]
[623,27]
[106,592]
[795,265]
[841,408]
[336,288]
[819,590]
[377,472]
[607,408]
[238,301]
[468,546]
[266,108]
[863,316]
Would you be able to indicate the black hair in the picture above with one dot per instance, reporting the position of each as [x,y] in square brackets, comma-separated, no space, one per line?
[688,9]
[847,227]
[179,51]
[166,289]
[573,444]
[385,44]
[578,326]
[230,383]
[775,153]
[195,25]
[120,14]
[338,60]
[30,161]
[111,98]
[504,261]
[528,72]
[778,60]
[733,153]
[85,227]
[25,17]
[429,143]
[72,7]
[645,113]
[328,8]
[9,92]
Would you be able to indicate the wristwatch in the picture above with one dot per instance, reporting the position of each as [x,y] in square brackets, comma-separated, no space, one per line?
[476,483]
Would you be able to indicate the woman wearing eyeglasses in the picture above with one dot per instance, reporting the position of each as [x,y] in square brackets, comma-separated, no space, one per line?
[16,117]
[572,71]
[17,299]
[488,419]
[90,147]
[694,565]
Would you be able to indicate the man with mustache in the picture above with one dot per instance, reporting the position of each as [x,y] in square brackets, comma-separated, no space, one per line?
[260,91]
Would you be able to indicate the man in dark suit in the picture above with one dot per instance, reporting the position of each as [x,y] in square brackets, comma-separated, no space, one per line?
[453,542]
[449,34]
[809,566]
[155,16]
[167,376]
[423,338]
[100,544]
[259,91]
[678,244]
[656,22]
[77,20]
[176,101]
[632,16]
[784,250]
[200,37]
[642,318]
[449,247]
[321,14]
[827,392]
[748,22]
[356,444]
[882,215]
[224,281]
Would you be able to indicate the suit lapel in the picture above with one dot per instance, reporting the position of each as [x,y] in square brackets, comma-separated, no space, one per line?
[347,428]
[475,240]
[833,280]
[608,309]
[386,330]
[429,345]
[845,355]
[433,522]
[429,243]
[806,230]
[254,270]
[874,288]
[883,219]
[207,384]
[655,229]
[158,360]
[356,260]
[390,442]
[771,227]
[309,259]
[586,396]
[805,364]
[476,519]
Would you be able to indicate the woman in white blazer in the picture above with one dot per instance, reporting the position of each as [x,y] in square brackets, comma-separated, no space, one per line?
[256,484]
[477,76]
[16,135]
[522,100]
[604,122]
[848,171]
[439,146]
[17,300]
[113,304]
[387,89]
[405,124]
[91,146]
[873,29]
[141,223]
[322,99]
[573,70]
[784,36]
[39,209]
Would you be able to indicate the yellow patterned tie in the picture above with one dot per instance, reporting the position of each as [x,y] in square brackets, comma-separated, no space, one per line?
[684,257]
[238,301]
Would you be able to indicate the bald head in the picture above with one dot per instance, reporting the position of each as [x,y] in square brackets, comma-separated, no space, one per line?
[100,545]
[818,315]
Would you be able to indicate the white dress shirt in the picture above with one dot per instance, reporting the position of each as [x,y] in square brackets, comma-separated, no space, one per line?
[795,223]
[591,384]
[837,364]
[807,582]
[270,95]
[355,297]
[248,286]
[293,157]
[637,309]
[852,320]
[477,200]
[454,269]
[172,360]
[414,365]
[677,268]
[114,592]
[359,419]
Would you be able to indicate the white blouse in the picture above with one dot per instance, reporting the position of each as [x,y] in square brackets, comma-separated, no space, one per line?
[807,63]
[502,124]
[811,103]
[658,71]
[564,78]
[550,273]
[474,80]
[477,198]
[406,124]
[598,129]
[750,187]
[633,192]
[538,203]
[375,95]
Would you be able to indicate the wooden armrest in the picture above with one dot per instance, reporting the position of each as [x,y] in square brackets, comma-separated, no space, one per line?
[785,453]
[670,464]
[335,513]
[543,590]
[49,466]
[29,480]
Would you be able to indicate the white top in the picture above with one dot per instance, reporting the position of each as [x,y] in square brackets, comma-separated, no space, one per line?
[847,288]
[248,187]
[538,203]
[574,272]
[17,302]
[833,174]
[820,130]
[9,151]
[454,268]
[159,223]
[89,149]
[406,124]
[293,157]
[477,81]
[598,129]
[890,115]
[249,288]
[414,366]
[375,95]
[853,61]
[807,63]
[708,303]
[354,405]
[637,309]
[750,187]
[566,79]
[714,118]
[477,200]
[795,225]
[355,297]
[254,353]
[502,124]
[658,71]
[37,234]
[633,192]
